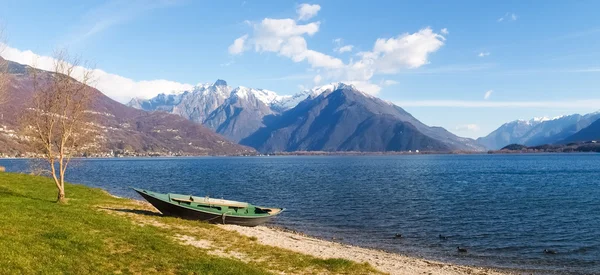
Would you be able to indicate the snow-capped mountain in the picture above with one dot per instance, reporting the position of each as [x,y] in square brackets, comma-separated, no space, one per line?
[340,117]
[233,113]
[242,112]
[194,105]
[535,120]
[198,104]
[537,131]
[185,103]
[287,102]
[250,114]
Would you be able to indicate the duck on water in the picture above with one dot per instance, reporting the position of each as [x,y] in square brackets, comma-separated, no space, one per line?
[209,209]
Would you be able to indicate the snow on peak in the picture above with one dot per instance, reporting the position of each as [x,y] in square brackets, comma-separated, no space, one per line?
[290,101]
[265,96]
[539,119]
[316,91]
[270,98]
[219,88]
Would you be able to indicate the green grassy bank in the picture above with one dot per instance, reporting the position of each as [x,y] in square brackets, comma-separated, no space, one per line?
[100,234]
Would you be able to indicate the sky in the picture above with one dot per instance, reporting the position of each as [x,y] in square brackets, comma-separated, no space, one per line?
[468,66]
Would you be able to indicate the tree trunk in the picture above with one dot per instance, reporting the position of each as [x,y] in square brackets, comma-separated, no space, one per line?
[61,195]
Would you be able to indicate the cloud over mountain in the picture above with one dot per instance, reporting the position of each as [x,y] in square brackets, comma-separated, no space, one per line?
[287,37]
[114,86]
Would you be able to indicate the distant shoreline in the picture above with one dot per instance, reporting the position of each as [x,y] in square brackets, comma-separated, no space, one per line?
[342,153]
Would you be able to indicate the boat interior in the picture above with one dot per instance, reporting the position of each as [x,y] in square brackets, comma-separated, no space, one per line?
[222,205]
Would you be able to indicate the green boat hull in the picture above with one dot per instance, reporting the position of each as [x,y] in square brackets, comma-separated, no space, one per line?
[209,210]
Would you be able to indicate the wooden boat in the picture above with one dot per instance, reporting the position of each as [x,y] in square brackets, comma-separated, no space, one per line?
[209,209]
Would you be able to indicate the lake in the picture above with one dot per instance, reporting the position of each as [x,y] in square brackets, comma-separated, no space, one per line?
[506,209]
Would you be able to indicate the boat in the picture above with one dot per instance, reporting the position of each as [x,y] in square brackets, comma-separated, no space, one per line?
[209,209]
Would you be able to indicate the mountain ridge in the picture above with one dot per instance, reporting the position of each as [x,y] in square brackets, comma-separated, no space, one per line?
[346,119]
[246,111]
[537,131]
[231,112]
[124,128]
[590,133]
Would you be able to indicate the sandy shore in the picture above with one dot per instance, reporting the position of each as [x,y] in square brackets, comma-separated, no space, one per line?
[384,261]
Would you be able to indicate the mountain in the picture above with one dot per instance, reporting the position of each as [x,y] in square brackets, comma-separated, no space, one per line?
[195,105]
[123,127]
[537,131]
[233,113]
[509,133]
[590,133]
[242,113]
[338,117]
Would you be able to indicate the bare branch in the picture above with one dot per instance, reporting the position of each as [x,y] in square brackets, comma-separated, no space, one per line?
[57,126]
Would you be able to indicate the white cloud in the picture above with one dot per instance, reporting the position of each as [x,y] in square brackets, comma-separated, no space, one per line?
[343,49]
[509,16]
[467,128]
[227,64]
[592,103]
[483,54]
[114,86]
[307,11]
[340,47]
[317,79]
[389,82]
[405,51]
[444,31]
[287,38]
[391,56]
[238,45]
[487,94]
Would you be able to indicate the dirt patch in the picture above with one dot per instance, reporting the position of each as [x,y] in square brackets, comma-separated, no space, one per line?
[188,240]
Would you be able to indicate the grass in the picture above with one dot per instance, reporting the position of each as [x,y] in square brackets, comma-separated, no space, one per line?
[97,233]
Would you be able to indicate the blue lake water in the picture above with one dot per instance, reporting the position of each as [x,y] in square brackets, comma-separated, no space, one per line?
[506,209]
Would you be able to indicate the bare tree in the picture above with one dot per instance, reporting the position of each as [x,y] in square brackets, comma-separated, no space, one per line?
[58,125]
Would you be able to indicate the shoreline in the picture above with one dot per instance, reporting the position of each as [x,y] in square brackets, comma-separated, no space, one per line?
[327,154]
[288,242]
[388,262]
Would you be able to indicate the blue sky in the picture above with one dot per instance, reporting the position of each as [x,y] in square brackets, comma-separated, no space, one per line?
[436,59]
